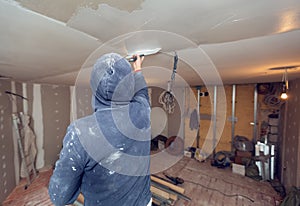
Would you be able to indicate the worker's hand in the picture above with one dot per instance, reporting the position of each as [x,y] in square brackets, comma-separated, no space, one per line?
[137,64]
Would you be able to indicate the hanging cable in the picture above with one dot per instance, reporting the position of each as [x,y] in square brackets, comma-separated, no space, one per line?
[167,98]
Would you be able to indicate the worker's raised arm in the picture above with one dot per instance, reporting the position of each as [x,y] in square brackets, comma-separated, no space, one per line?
[140,88]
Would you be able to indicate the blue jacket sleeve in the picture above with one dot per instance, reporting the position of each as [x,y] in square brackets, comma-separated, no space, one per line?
[140,89]
[64,185]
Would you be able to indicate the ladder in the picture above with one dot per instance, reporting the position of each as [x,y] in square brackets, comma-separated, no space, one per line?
[16,122]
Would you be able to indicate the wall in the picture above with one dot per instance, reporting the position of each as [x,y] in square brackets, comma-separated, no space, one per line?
[244,110]
[49,107]
[244,114]
[291,139]
[7,176]
[56,109]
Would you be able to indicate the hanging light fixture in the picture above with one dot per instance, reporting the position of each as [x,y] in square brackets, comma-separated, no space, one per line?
[285,85]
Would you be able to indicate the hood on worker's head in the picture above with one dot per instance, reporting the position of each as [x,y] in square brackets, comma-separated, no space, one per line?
[112,81]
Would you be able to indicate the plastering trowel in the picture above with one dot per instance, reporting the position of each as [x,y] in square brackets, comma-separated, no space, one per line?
[145,52]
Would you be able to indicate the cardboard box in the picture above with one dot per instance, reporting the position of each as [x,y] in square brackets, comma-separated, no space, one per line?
[238,169]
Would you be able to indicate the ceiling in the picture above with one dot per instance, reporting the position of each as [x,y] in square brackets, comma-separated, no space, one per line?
[230,42]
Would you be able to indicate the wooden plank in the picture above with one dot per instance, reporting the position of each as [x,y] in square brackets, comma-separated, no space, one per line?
[160,193]
[155,201]
[163,193]
[167,189]
[173,197]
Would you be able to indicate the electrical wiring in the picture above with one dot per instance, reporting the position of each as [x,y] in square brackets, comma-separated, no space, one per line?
[168,101]
[213,189]
[167,98]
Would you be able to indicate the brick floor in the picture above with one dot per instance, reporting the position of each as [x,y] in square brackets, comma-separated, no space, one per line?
[36,194]
[210,186]
[204,184]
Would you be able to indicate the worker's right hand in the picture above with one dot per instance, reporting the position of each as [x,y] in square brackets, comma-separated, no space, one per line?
[137,64]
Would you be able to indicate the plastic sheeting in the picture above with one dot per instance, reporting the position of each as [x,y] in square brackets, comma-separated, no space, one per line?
[30,150]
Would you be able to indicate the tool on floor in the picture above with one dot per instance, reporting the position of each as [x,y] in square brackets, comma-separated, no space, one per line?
[141,53]
[163,179]
[175,180]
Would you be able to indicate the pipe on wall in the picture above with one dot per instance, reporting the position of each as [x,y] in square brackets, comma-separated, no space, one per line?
[255,114]
[233,116]
[215,120]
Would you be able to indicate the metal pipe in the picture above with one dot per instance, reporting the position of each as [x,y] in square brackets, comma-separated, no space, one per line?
[198,115]
[233,116]
[215,120]
[255,114]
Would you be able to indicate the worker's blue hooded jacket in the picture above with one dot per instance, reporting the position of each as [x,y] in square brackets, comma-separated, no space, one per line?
[106,156]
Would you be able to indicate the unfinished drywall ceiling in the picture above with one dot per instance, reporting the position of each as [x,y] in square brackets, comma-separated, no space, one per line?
[48,41]
[252,58]
[33,47]
[63,10]
[199,21]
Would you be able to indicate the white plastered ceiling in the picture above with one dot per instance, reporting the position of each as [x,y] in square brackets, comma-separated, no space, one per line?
[49,41]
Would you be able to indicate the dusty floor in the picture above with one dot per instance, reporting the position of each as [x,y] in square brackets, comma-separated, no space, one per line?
[36,194]
[210,186]
[204,184]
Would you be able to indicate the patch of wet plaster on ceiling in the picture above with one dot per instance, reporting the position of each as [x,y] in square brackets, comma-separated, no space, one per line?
[200,21]
[63,10]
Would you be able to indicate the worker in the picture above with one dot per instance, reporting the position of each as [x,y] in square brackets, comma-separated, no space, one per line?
[106,156]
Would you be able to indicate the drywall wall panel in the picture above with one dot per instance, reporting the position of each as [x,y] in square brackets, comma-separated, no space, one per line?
[224,143]
[19,90]
[206,112]
[291,172]
[244,110]
[56,118]
[7,168]
[17,108]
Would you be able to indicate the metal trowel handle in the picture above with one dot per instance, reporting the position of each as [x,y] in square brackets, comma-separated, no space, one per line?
[133,59]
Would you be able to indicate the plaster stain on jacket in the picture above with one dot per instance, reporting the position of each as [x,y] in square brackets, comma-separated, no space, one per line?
[113,157]
[92,132]
[111,172]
